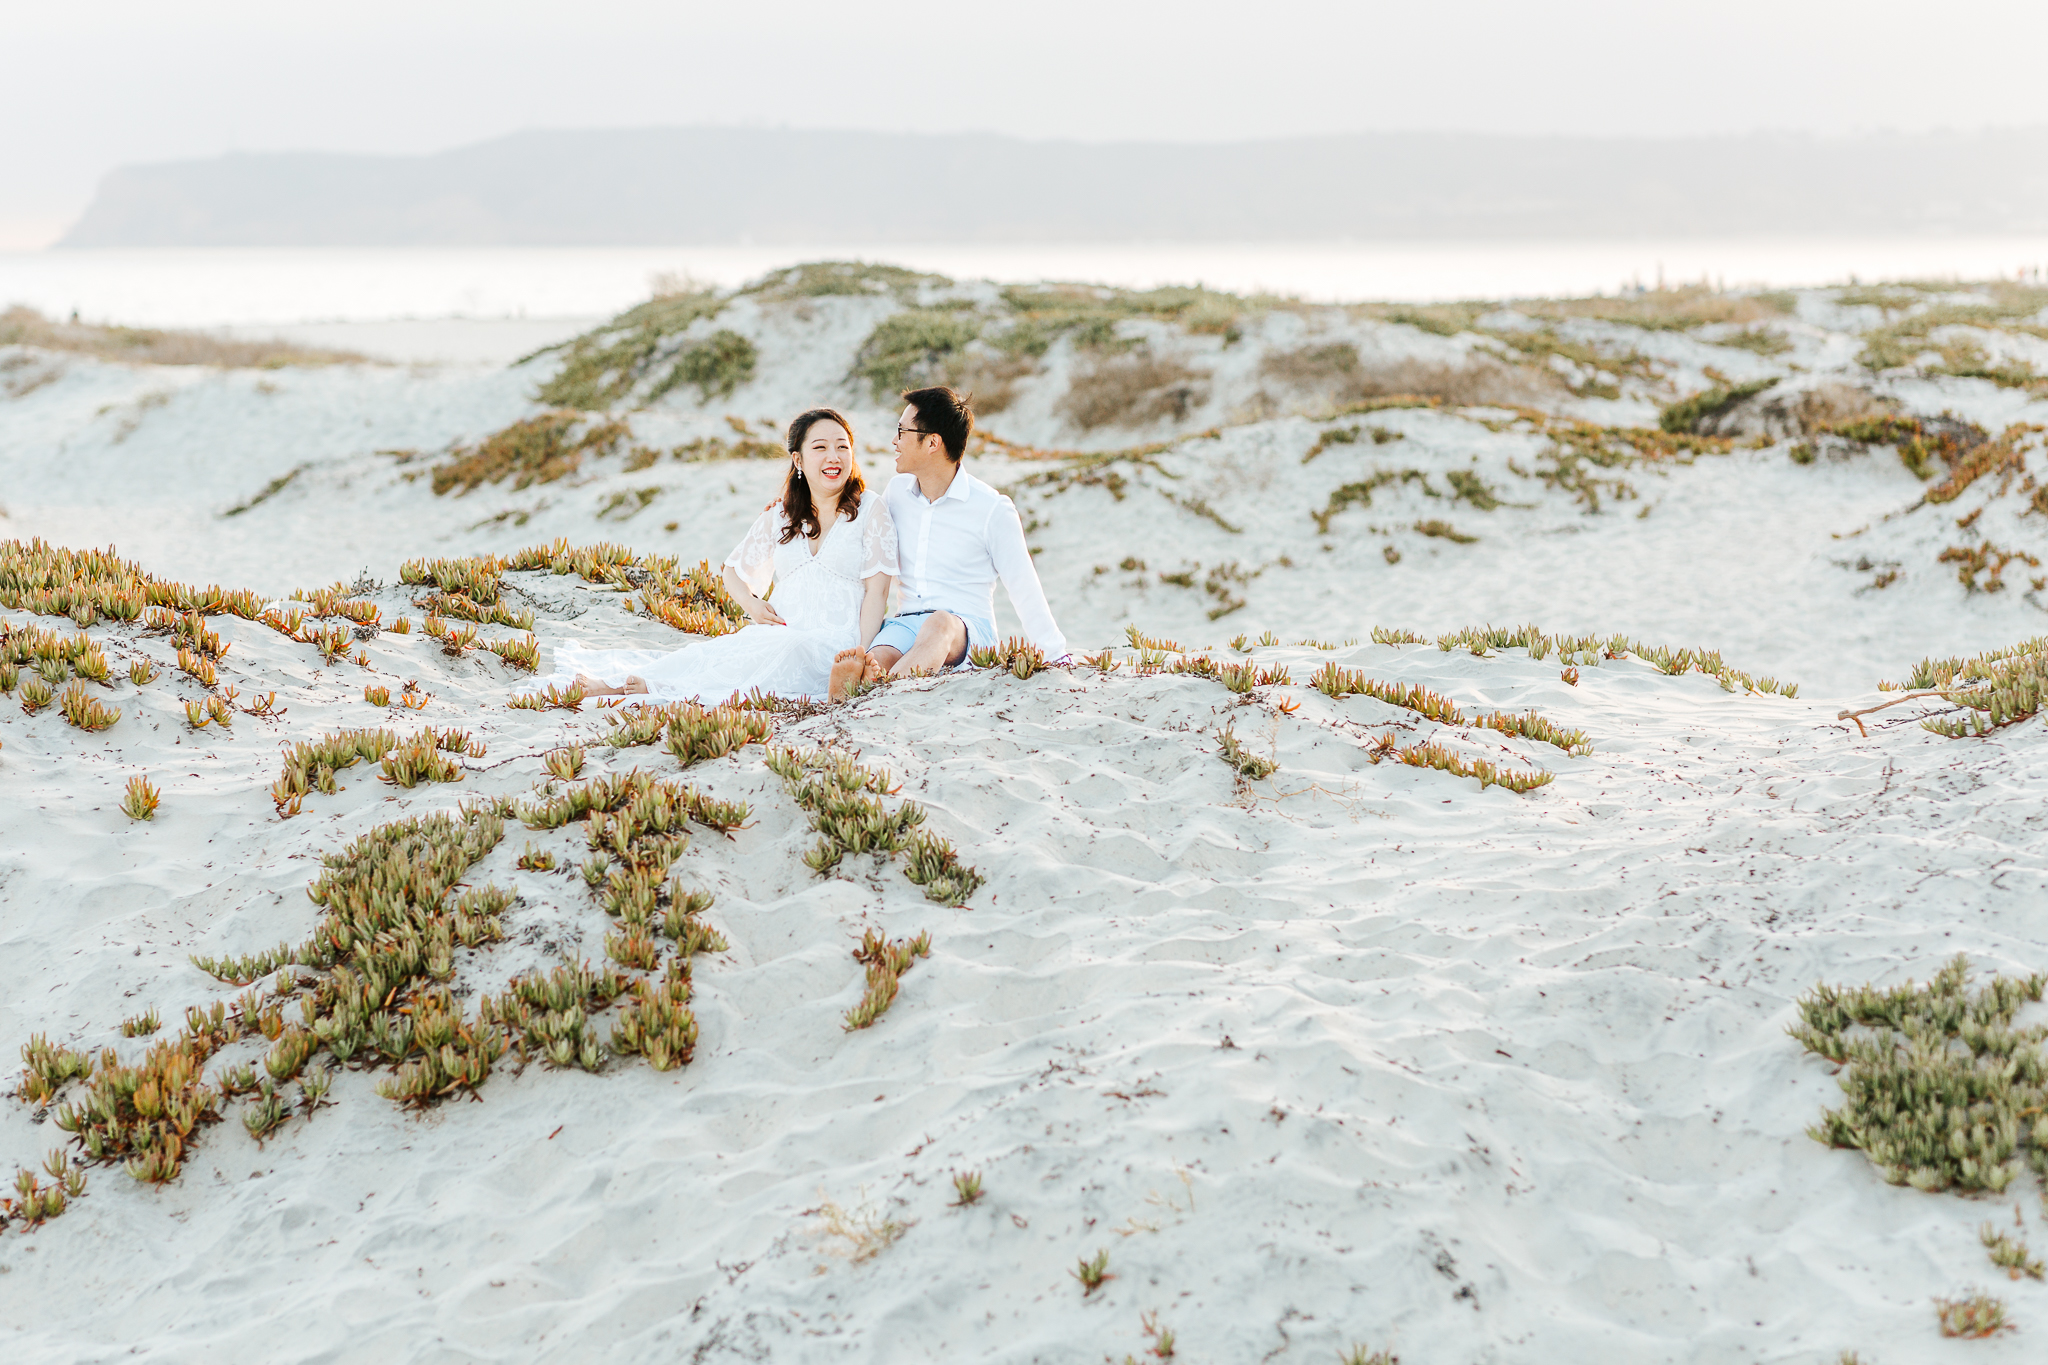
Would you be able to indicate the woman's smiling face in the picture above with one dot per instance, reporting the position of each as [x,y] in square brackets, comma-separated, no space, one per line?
[827,457]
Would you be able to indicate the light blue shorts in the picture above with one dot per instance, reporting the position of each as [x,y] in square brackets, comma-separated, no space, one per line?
[900,632]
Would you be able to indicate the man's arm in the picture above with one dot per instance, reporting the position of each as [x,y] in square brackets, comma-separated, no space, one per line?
[1012,559]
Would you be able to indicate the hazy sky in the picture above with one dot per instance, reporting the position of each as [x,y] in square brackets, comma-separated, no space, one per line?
[88,87]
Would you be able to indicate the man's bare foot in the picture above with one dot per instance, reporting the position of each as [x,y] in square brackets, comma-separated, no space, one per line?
[848,667]
[875,671]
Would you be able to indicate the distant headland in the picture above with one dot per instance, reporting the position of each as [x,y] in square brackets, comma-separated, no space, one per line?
[709,186]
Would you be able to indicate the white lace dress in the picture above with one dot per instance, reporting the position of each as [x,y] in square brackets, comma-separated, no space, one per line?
[818,595]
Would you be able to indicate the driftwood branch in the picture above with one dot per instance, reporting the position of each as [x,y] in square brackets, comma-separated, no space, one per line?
[1910,696]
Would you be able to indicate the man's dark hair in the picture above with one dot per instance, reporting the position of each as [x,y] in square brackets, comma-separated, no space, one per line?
[946,415]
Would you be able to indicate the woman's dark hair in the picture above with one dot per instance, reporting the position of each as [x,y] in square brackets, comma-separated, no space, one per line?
[799,510]
[946,415]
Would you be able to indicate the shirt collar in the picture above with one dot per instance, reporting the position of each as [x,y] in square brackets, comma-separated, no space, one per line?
[956,491]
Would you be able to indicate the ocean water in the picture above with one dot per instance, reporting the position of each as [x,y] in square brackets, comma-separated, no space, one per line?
[231,287]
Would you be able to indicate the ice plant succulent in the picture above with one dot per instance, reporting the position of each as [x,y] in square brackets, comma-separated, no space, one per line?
[886,963]
[1247,765]
[1019,658]
[1449,760]
[1942,1089]
[1093,1274]
[198,665]
[2009,1254]
[423,758]
[310,767]
[1973,1315]
[34,1202]
[693,601]
[656,1022]
[149,1112]
[548,1017]
[519,653]
[1162,1337]
[1337,682]
[1997,688]
[1364,1355]
[569,699]
[88,585]
[692,733]
[84,710]
[841,798]
[35,695]
[46,1067]
[1531,725]
[932,863]
[140,801]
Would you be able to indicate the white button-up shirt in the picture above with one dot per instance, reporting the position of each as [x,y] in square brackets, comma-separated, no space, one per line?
[952,551]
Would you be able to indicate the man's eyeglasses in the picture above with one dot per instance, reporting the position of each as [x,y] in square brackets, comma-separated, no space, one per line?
[903,431]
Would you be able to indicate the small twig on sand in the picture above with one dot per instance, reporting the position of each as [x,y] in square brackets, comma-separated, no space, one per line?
[1852,715]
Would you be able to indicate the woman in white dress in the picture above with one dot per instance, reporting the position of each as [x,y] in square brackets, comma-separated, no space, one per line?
[829,549]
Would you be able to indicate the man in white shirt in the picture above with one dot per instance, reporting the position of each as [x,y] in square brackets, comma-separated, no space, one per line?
[955,536]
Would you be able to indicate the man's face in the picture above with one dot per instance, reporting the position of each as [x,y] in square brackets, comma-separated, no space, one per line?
[917,452]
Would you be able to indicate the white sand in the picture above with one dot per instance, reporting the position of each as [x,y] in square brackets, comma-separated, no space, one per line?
[1479,1076]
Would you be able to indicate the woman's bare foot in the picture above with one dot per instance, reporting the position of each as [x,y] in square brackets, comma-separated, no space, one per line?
[848,667]
[593,687]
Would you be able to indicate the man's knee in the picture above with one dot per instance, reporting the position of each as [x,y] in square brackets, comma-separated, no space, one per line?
[949,632]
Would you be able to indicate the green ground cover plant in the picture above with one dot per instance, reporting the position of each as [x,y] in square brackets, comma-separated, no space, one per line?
[1997,688]
[842,799]
[886,962]
[538,449]
[1592,649]
[857,279]
[603,366]
[1941,1089]
[1090,313]
[714,366]
[1358,493]
[1246,765]
[912,346]
[1689,415]
[2003,306]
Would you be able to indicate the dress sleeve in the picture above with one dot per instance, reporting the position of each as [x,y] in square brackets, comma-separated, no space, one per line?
[754,558]
[878,538]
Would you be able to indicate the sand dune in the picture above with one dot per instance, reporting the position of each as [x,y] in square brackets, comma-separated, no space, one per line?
[1360,1052]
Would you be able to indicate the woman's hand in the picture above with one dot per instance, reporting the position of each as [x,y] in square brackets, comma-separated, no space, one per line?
[757,610]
